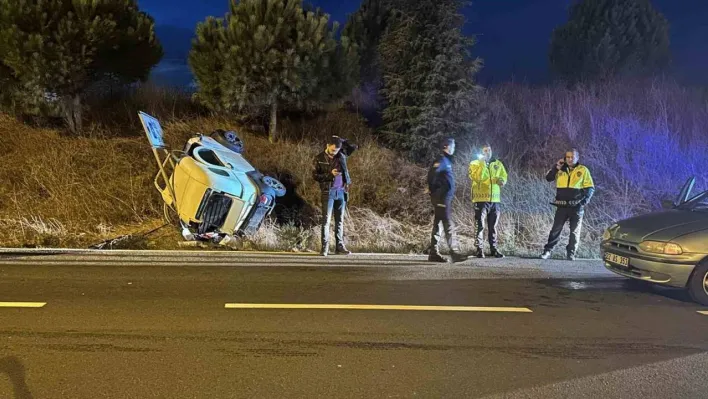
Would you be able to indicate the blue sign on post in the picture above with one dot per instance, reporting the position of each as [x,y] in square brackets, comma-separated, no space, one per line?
[152,129]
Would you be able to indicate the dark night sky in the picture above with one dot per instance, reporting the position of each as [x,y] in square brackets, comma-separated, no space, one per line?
[513,35]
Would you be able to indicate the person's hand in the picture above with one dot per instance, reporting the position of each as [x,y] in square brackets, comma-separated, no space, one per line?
[501,182]
[559,164]
[335,172]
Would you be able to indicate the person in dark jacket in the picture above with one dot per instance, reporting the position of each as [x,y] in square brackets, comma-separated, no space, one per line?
[332,175]
[441,186]
[574,189]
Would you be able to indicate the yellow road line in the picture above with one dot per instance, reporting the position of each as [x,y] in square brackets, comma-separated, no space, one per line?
[703,312]
[22,304]
[373,307]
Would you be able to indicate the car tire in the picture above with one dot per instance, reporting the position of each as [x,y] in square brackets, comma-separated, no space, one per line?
[229,139]
[698,283]
[274,184]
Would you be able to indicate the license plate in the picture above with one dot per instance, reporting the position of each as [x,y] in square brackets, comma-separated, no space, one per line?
[616,259]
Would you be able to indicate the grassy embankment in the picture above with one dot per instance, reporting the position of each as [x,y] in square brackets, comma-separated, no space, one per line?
[640,140]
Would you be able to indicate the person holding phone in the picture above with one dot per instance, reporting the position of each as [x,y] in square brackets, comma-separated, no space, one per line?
[331,172]
[574,189]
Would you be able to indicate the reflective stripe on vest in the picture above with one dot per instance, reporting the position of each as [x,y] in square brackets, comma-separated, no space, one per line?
[484,190]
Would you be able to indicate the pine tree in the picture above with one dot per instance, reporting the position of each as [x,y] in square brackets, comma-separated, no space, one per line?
[11,98]
[61,47]
[267,55]
[366,27]
[606,38]
[428,75]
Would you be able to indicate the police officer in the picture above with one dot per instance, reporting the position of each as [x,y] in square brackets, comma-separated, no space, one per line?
[574,189]
[441,187]
[488,176]
[332,174]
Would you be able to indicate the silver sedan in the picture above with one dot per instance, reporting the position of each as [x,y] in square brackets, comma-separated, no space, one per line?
[668,247]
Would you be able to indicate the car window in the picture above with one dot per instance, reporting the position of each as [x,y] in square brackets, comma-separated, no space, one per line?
[209,156]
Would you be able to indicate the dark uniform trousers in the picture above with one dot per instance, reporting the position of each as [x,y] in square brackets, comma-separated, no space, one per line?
[575,216]
[486,212]
[442,223]
[333,202]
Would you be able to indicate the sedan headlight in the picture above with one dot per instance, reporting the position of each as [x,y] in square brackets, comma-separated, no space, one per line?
[658,247]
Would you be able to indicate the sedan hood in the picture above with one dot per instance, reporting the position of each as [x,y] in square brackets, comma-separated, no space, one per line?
[661,226]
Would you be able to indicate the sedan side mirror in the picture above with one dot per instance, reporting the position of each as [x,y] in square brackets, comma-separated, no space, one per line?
[667,204]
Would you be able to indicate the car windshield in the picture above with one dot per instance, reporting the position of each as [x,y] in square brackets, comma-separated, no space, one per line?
[697,203]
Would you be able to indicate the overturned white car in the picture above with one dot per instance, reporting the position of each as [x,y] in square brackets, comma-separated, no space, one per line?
[209,186]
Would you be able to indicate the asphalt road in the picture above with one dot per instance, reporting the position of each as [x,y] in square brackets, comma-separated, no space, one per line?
[157,325]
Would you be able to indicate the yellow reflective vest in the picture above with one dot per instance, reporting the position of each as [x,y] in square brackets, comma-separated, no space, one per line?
[574,186]
[485,180]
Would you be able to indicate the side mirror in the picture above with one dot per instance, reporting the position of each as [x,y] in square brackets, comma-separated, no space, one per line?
[667,204]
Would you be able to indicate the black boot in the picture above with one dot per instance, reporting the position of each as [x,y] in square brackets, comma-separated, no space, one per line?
[479,253]
[497,254]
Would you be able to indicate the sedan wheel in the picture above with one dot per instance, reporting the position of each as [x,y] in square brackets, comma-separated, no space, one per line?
[698,284]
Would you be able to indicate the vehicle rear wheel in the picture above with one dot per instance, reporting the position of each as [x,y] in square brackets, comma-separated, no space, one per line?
[229,139]
[275,184]
[698,284]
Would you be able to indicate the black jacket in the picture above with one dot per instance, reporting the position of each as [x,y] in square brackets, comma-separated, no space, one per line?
[441,180]
[322,170]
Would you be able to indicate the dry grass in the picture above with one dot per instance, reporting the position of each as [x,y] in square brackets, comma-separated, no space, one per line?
[81,183]
[76,191]
[98,187]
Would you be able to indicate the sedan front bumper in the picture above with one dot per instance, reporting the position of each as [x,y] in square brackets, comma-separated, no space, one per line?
[668,270]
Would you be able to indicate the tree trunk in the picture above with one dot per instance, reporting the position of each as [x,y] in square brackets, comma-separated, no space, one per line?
[71,108]
[272,131]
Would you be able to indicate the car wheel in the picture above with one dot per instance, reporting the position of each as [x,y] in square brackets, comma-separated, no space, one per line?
[274,184]
[698,284]
[229,139]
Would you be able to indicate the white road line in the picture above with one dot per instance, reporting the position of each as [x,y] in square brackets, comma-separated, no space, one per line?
[703,312]
[22,304]
[373,307]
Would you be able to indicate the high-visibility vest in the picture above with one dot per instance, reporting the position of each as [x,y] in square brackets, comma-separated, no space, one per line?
[571,183]
[485,180]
